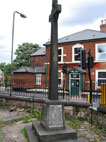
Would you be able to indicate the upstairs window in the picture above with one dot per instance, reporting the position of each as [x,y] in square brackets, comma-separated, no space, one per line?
[101,52]
[76,52]
[60,54]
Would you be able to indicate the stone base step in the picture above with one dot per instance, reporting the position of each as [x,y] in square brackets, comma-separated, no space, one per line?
[30,135]
[51,136]
[76,140]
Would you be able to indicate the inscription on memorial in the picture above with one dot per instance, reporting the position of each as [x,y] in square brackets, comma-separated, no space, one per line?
[55,116]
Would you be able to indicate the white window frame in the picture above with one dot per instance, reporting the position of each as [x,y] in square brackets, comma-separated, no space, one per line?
[96,50]
[61,54]
[38,80]
[97,87]
[73,55]
[61,78]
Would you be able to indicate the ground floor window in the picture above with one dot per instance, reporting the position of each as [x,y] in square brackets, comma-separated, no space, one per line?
[100,76]
[60,78]
[38,79]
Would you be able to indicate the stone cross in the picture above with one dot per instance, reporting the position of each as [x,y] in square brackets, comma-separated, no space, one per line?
[53,72]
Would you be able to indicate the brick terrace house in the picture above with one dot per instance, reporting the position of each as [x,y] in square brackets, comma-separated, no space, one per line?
[68,49]
[68,53]
[28,77]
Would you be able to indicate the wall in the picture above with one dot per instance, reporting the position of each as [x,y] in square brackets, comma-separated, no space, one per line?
[27,80]
[84,113]
[24,80]
[37,61]
[67,49]
[99,118]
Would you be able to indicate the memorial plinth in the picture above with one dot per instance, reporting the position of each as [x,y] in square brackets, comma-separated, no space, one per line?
[53,115]
[52,126]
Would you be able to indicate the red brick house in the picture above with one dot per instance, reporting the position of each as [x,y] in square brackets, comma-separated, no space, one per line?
[68,48]
[34,75]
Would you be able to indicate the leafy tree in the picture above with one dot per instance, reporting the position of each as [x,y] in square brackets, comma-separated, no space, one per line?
[23,54]
[2,66]
[7,71]
[5,68]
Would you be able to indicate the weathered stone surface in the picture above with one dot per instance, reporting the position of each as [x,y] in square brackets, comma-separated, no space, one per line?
[53,116]
[77,140]
[57,135]
[30,135]
[82,113]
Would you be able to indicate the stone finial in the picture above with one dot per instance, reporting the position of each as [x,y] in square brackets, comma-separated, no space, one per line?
[103,25]
[101,22]
[48,40]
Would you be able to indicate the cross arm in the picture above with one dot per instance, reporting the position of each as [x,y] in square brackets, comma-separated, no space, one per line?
[55,13]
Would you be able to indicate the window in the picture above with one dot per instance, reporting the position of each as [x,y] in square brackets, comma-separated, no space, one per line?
[76,52]
[100,76]
[60,54]
[38,79]
[101,52]
[59,78]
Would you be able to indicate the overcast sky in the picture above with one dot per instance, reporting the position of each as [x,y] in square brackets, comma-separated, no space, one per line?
[76,15]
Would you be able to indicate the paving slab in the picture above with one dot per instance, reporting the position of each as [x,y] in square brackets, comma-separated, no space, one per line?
[7,116]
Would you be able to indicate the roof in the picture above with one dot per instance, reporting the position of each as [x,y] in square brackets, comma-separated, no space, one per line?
[79,69]
[30,70]
[83,35]
[39,52]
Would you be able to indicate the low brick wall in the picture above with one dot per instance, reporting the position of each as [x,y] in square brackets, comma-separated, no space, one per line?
[18,103]
[83,113]
[82,110]
[99,117]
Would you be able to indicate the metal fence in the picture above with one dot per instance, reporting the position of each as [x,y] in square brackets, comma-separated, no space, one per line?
[98,92]
[28,88]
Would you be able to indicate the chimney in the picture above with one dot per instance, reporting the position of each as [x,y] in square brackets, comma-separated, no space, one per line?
[103,26]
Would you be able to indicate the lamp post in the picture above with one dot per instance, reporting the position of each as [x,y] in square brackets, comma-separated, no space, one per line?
[23,16]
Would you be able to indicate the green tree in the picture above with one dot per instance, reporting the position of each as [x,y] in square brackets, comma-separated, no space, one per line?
[2,66]
[5,68]
[23,54]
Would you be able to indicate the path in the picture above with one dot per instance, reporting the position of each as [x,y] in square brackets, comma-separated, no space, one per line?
[12,131]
